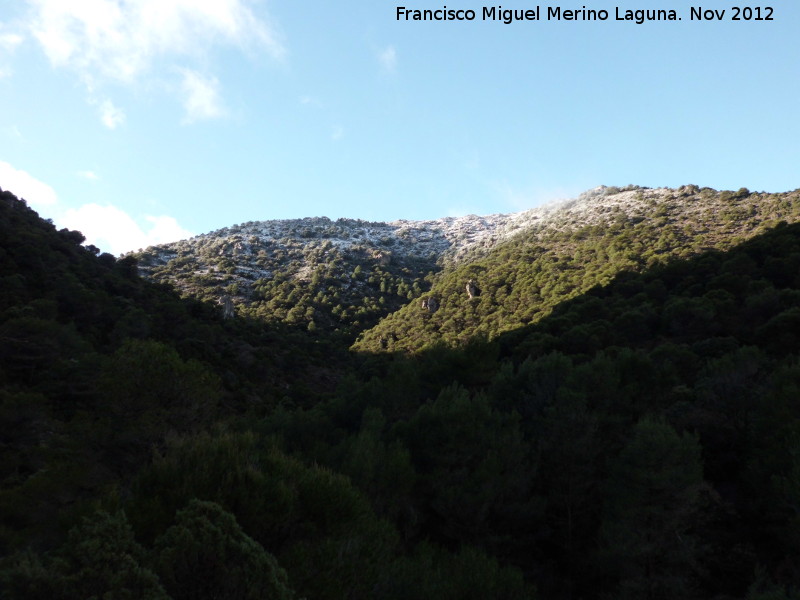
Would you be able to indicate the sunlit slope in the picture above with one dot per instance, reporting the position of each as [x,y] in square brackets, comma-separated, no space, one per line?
[584,244]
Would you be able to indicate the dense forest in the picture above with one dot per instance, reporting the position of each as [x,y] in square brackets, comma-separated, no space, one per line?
[634,435]
[338,276]
[521,281]
[402,286]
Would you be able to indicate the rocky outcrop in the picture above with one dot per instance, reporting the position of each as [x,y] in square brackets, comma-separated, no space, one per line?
[473,291]
[430,304]
[382,258]
[227,307]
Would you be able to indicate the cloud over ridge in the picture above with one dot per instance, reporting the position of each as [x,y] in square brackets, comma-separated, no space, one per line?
[106,226]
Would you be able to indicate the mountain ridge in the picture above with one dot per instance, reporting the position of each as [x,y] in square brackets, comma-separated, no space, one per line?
[239,261]
[348,275]
[587,243]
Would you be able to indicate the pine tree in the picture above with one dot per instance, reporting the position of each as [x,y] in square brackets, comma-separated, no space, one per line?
[100,560]
[206,555]
[652,496]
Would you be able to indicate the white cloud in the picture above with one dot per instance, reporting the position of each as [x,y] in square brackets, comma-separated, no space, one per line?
[113,230]
[165,229]
[90,175]
[108,227]
[201,97]
[337,133]
[388,58]
[519,199]
[112,116]
[8,43]
[24,185]
[121,41]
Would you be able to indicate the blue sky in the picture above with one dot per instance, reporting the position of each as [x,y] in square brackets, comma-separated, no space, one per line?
[143,121]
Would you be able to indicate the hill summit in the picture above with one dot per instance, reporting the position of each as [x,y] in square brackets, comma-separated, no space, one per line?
[348,274]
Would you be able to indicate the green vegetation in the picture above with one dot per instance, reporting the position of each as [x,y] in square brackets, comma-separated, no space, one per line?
[302,280]
[637,440]
[522,280]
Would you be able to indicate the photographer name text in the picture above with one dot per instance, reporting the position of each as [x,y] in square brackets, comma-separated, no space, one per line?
[558,13]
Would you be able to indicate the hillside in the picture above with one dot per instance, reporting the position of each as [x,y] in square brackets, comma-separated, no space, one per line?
[98,365]
[342,274]
[583,243]
[638,441]
[402,285]
[110,386]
